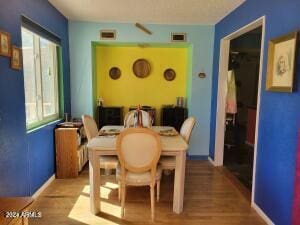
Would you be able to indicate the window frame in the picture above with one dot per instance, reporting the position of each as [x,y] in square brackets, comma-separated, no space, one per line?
[41,119]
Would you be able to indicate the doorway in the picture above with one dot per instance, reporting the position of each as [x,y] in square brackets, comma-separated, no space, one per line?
[241,105]
[222,93]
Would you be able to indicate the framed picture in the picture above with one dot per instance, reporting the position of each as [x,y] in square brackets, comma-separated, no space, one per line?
[4,43]
[281,63]
[16,58]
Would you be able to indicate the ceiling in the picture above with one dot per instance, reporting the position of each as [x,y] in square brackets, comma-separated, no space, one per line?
[202,12]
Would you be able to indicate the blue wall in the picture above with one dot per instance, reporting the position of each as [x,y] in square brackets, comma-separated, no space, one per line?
[279,113]
[26,159]
[201,37]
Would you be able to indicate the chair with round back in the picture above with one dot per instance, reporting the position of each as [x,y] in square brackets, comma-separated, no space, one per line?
[169,162]
[187,128]
[129,119]
[138,151]
[91,130]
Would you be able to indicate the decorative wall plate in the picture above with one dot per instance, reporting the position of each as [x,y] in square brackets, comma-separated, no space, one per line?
[141,68]
[202,75]
[115,73]
[169,74]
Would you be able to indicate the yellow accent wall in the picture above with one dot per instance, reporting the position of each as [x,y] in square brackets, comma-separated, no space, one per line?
[130,90]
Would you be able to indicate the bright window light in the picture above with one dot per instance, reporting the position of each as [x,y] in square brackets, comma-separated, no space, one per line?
[40,79]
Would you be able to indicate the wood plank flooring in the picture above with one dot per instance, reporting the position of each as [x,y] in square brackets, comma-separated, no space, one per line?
[210,199]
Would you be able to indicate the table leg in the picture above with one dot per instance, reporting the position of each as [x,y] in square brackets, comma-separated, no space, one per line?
[94,167]
[179,182]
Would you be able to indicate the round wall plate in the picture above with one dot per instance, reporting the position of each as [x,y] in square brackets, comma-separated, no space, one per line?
[169,74]
[202,75]
[115,73]
[141,68]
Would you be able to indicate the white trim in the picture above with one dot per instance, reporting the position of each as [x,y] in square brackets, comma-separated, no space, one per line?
[258,105]
[38,66]
[211,161]
[245,29]
[44,125]
[222,82]
[221,101]
[262,214]
[43,187]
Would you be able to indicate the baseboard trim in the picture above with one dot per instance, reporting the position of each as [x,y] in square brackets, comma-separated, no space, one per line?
[262,214]
[211,161]
[43,187]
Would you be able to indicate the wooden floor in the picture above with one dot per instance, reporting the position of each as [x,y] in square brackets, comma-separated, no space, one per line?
[210,198]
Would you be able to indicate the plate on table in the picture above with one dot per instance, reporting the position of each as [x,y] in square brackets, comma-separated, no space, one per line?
[168,132]
[109,132]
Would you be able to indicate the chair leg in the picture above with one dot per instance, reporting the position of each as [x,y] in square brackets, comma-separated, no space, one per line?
[123,196]
[158,190]
[152,202]
[119,191]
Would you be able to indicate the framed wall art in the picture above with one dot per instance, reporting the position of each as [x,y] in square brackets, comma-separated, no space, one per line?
[5,41]
[16,58]
[281,63]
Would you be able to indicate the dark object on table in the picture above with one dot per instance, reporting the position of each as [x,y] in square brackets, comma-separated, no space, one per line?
[173,117]
[109,115]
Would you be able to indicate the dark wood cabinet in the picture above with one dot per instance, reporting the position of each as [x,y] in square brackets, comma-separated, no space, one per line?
[112,115]
[173,116]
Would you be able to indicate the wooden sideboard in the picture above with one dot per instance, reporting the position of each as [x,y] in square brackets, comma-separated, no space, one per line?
[71,152]
[109,115]
[170,116]
[173,116]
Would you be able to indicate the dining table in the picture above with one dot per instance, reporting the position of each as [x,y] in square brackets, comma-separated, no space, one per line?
[172,145]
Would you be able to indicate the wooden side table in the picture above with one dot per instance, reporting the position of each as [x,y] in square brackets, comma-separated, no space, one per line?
[9,209]
[71,153]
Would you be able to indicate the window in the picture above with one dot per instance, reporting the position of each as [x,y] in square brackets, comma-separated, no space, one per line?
[40,79]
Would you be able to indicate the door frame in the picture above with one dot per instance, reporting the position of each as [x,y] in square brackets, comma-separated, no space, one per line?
[222,86]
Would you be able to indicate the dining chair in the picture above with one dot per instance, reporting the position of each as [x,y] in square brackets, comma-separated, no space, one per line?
[91,130]
[138,150]
[169,162]
[129,119]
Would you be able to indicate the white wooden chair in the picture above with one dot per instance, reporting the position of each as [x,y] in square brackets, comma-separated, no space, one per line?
[91,130]
[129,119]
[169,162]
[138,151]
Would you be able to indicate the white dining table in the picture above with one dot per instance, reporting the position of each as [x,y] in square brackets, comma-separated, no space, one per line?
[106,145]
